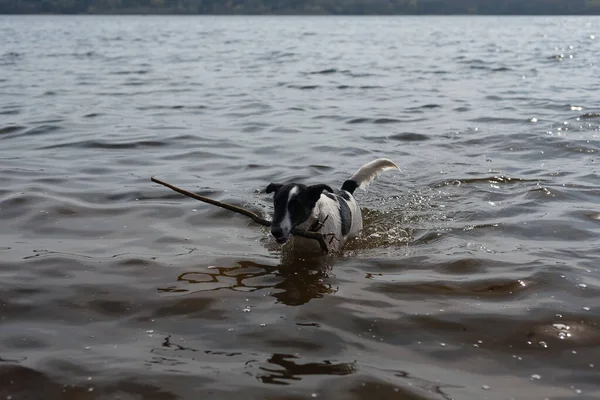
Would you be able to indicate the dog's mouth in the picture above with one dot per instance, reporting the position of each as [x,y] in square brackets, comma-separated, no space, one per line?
[281,240]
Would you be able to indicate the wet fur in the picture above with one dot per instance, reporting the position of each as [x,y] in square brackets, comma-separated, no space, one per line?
[301,206]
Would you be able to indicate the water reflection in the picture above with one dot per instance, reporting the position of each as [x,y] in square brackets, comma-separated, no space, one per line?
[291,370]
[301,279]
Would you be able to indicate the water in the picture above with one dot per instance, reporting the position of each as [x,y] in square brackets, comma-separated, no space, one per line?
[476,276]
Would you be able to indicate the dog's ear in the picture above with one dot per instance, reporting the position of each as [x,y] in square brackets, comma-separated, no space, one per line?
[314,192]
[273,187]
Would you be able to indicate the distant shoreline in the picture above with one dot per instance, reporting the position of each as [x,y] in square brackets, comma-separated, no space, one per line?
[304,7]
[292,14]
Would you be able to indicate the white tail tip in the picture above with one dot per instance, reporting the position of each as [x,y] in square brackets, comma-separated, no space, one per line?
[368,172]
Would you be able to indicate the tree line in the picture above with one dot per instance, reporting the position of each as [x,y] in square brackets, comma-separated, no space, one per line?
[310,7]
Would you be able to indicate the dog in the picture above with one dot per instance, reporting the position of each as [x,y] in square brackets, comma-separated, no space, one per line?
[319,208]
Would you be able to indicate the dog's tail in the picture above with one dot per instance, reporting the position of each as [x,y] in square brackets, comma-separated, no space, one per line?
[365,175]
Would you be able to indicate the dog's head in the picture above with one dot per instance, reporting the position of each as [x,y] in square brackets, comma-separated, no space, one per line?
[293,204]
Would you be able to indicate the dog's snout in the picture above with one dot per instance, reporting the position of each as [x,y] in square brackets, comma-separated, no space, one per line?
[278,234]
[276,231]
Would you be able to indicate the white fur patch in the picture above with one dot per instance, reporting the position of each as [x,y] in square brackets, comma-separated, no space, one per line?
[286,223]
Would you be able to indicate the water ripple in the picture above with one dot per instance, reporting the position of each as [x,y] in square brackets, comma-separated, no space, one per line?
[475,274]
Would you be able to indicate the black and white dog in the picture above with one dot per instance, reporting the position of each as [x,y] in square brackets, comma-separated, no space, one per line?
[333,213]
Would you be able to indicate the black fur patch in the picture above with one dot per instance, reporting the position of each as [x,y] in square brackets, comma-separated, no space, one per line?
[345,216]
[350,186]
[345,213]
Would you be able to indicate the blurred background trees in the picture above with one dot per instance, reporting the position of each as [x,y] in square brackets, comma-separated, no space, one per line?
[352,7]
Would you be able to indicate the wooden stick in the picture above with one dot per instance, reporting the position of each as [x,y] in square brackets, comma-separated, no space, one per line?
[208,200]
[309,235]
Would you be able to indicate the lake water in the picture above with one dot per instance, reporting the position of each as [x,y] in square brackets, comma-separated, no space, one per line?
[476,276]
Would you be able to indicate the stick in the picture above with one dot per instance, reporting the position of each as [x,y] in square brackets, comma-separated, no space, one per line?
[309,235]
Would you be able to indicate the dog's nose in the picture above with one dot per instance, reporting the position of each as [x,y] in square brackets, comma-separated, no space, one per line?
[276,231]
